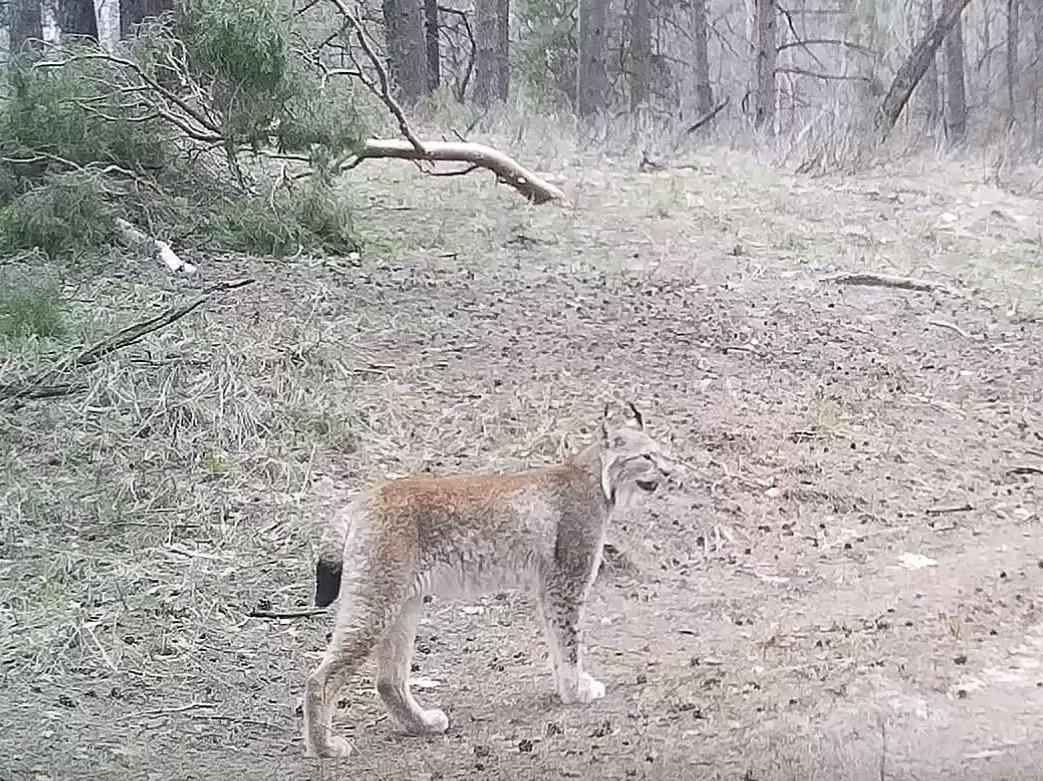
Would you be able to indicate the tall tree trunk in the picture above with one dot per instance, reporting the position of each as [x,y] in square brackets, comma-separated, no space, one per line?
[107,16]
[955,86]
[134,12]
[1037,41]
[928,88]
[1013,36]
[76,18]
[592,83]
[701,58]
[492,53]
[407,52]
[640,52]
[915,65]
[767,53]
[434,57]
[24,23]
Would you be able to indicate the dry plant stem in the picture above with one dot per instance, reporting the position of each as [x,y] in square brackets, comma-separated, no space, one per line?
[134,238]
[869,279]
[506,169]
[36,385]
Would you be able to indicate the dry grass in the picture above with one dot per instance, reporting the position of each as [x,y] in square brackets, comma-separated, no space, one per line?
[142,518]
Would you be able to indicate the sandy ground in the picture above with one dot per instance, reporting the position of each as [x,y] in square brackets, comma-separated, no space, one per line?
[847,585]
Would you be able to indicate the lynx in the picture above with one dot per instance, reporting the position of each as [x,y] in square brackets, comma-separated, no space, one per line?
[464,535]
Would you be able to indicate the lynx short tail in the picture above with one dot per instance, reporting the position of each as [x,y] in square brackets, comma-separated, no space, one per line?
[328,570]
[330,564]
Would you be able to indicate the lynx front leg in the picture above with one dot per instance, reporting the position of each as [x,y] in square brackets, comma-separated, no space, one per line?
[394,659]
[561,606]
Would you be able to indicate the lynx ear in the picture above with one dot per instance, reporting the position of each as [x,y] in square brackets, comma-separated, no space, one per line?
[637,415]
[605,415]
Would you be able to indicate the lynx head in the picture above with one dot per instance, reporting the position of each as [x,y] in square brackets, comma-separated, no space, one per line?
[632,463]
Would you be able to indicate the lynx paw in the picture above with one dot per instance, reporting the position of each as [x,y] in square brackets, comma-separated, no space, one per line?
[584,689]
[435,721]
[336,746]
[429,722]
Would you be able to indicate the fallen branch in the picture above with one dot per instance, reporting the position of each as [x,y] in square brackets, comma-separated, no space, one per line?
[506,169]
[1025,470]
[708,117]
[303,612]
[42,385]
[957,329]
[135,239]
[868,279]
[960,508]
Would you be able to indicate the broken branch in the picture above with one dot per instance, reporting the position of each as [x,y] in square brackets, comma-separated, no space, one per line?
[134,238]
[506,169]
[40,385]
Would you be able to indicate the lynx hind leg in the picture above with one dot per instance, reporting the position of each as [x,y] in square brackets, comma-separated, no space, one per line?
[371,600]
[394,657]
[561,605]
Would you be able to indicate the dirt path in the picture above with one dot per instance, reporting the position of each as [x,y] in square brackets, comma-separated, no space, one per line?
[848,585]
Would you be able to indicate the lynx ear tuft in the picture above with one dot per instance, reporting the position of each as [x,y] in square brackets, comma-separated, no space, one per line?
[637,415]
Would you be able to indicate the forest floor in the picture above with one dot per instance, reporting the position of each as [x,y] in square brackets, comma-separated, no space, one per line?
[848,585]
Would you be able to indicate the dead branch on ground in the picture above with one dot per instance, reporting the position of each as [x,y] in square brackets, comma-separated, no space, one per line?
[41,384]
[304,612]
[133,238]
[956,329]
[870,279]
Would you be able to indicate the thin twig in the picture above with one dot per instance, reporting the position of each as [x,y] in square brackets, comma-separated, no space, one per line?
[956,328]
[303,612]
[942,510]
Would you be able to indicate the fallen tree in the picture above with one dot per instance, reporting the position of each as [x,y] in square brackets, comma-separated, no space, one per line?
[915,66]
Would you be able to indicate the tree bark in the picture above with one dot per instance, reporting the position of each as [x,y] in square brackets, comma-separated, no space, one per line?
[134,12]
[406,49]
[24,23]
[767,54]
[434,55]
[955,86]
[492,52]
[76,18]
[592,83]
[701,57]
[1013,36]
[640,52]
[916,65]
[107,16]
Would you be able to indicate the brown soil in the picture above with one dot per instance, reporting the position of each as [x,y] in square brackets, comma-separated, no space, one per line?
[776,621]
